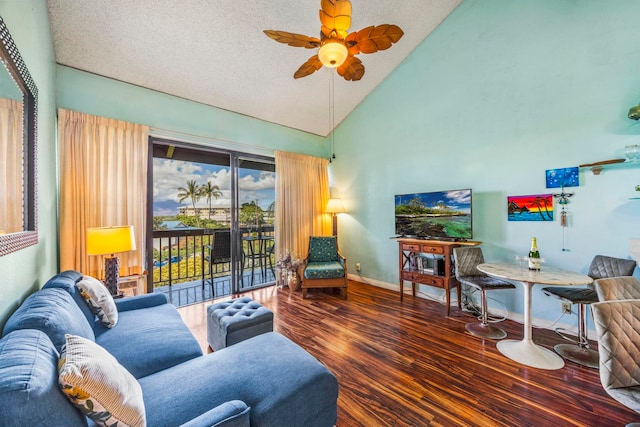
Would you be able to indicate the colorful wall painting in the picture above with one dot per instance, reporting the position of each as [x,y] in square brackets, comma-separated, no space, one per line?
[537,207]
[565,177]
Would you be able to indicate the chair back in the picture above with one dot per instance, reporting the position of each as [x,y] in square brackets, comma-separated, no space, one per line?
[466,260]
[617,288]
[605,266]
[323,249]
[618,327]
[221,249]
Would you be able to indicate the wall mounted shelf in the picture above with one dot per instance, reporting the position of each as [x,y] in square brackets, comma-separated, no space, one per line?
[598,167]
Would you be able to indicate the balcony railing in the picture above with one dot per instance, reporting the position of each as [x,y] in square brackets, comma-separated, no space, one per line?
[181,268]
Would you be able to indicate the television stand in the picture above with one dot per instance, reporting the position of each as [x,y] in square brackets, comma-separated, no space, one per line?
[408,249]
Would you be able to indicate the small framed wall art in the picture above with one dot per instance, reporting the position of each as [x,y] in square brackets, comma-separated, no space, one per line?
[537,207]
[564,177]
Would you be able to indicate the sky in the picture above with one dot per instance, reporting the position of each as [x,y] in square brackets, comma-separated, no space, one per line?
[169,175]
[455,199]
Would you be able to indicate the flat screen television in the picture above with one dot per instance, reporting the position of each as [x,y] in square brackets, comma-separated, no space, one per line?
[444,215]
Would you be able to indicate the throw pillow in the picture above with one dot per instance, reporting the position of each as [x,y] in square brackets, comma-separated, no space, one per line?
[98,385]
[99,299]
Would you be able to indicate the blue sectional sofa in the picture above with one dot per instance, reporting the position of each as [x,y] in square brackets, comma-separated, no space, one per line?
[264,381]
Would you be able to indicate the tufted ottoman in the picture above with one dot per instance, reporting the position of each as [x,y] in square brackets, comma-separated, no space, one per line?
[230,322]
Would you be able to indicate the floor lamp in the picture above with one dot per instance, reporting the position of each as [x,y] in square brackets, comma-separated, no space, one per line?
[334,207]
[110,241]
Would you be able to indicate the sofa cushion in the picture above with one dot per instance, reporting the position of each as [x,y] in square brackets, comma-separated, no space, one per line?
[149,340]
[52,311]
[29,392]
[141,301]
[99,300]
[67,280]
[282,384]
[98,385]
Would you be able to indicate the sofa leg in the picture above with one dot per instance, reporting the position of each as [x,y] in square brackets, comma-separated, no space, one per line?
[343,293]
[304,293]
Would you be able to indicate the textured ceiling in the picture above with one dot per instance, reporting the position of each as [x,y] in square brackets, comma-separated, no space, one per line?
[215,52]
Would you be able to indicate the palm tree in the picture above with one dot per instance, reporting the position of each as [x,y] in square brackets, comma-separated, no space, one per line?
[191,191]
[541,202]
[210,191]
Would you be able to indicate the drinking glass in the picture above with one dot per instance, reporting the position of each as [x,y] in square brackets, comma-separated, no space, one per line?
[632,152]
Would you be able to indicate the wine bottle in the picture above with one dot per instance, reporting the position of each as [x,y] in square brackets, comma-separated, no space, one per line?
[534,255]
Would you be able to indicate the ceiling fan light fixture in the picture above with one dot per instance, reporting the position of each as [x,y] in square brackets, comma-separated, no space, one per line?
[333,53]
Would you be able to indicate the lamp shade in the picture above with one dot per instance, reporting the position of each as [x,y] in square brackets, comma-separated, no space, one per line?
[335,206]
[110,240]
[332,54]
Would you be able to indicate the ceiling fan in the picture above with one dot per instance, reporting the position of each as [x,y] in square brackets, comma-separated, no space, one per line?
[337,47]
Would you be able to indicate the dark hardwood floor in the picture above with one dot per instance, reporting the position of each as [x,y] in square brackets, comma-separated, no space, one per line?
[405,364]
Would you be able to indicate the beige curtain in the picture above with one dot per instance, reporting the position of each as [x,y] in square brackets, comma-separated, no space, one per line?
[103,182]
[302,192]
[11,149]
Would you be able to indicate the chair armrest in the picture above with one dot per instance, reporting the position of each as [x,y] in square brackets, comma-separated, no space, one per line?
[141,301]
[234,413]
[343,260]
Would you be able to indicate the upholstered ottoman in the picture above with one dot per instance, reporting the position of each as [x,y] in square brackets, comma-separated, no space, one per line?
[230,322]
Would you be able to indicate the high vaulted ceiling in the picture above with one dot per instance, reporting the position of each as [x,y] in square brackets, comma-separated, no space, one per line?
[215,52]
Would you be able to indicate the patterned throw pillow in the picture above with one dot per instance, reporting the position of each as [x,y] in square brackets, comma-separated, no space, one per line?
[99,300]
[98,385]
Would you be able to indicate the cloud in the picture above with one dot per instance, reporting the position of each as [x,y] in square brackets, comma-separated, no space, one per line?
[169,174]
[265,180]
[460,196]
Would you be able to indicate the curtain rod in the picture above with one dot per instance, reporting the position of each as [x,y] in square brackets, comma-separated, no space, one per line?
[207,140]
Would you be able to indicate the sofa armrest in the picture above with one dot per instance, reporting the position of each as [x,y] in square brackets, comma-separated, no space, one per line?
[140,301]
[234,413]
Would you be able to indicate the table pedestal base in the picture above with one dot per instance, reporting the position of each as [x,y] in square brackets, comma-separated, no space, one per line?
[530,354]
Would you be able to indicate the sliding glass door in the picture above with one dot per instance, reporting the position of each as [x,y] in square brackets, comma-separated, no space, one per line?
[256,202]
[210,223]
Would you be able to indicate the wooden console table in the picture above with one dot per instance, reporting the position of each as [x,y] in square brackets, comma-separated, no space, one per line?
[407,248]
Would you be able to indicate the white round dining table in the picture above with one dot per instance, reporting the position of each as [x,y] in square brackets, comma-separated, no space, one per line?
[525,351]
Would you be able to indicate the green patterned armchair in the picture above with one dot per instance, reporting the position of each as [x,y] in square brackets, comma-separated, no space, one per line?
[324,267]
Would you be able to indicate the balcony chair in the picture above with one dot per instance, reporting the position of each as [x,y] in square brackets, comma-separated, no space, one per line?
[618,328]
[269,247]
[466,260]
[219,252]
[601,267]
[617,288]
[255,253]
[324,266]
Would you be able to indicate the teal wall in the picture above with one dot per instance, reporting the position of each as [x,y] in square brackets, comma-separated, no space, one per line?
[500,92]
[25,271]
[199,123]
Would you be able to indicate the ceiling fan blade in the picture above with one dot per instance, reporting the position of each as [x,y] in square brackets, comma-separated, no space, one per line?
[352,69]
[335,15]
[373,39]
[312,65]
[295,40]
